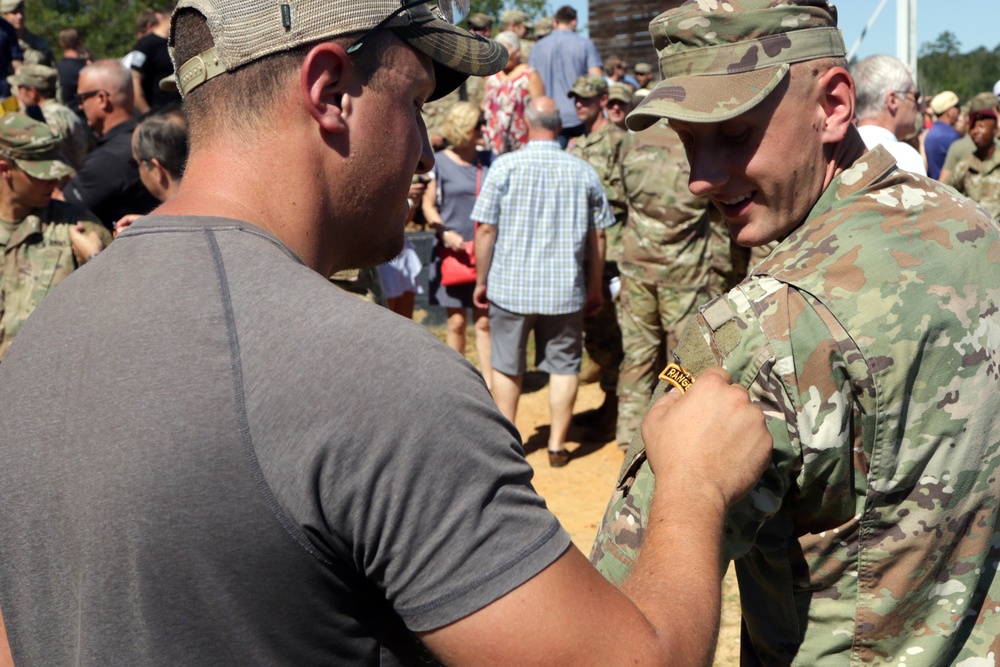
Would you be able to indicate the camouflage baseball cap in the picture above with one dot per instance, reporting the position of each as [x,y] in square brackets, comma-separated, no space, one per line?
[620,92]
[543,26]
[643,68]
[36,76]
[720,58]
[32,147]
[246,30]
[479,21]
[509,16]
[588,86]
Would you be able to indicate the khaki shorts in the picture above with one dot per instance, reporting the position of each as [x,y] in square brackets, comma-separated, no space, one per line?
[558,341]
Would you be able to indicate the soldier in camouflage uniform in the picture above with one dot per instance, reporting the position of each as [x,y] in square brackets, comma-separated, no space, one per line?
[870,336]
[36,85]
[42,240]
[601,148]
[675,257]
[36,49]
[978,175]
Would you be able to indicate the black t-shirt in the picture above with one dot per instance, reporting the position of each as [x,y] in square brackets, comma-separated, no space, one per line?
[69,76]
[151,59]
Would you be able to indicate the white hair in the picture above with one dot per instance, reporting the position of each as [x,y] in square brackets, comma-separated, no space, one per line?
[509,39]
[874,77]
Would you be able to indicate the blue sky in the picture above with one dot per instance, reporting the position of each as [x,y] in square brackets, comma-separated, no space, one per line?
[973,21]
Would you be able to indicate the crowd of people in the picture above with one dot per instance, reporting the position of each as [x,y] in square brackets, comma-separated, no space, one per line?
[796,320]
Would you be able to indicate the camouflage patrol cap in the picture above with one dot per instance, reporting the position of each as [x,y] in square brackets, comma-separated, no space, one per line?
[515,16]
[543,26]
[982,101]
[620,92]
[35,76]
[246,30]
[588,86]
[643,68]
[32,147]
[479,21]
[720,58]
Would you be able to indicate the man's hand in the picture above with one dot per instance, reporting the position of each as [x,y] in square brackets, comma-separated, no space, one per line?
[479,297]
[85,244]
[711,439]
[595,301]
[126,222]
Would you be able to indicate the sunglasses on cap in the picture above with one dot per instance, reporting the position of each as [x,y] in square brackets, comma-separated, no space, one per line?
[452,11]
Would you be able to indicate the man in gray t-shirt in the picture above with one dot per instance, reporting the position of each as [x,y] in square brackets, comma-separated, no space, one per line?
[265,471]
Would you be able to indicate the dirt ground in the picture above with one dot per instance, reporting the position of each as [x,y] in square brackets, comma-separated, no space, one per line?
[578,493]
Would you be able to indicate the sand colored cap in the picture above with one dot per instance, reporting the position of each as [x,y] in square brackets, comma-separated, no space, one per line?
[943,101]
[982,101]
[246,30]
[620,92]
[643,68]
[479,21]
[36,76]
[543,26]
[721,58]
[515,16]
[588,86]
[7,6]
[32,147]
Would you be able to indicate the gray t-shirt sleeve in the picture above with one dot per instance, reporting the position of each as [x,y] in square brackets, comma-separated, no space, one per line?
[393,459]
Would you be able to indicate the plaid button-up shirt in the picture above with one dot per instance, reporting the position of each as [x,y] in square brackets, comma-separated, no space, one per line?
[543,202]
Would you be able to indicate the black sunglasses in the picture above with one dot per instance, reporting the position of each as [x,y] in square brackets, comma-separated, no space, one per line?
[452,11]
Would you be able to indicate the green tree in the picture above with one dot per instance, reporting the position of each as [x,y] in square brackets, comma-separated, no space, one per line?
[107,26]
[942,66]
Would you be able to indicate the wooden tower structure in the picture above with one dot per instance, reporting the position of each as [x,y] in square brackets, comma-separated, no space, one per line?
[622,27]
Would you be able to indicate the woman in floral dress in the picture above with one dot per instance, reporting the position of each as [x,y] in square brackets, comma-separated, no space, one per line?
[507,93]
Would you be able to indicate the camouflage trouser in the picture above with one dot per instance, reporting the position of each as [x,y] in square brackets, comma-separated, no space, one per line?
[651,319]
[365,283]
[603,339]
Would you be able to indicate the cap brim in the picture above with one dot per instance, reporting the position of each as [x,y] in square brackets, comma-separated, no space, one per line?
[457,53]
[46,170]
[706,98]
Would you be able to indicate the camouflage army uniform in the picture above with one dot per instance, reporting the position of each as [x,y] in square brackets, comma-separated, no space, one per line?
[675,257]
[36,50]
[364,283]
[37,255]
[871,338]
[980,181]
[76,136]
[601,335]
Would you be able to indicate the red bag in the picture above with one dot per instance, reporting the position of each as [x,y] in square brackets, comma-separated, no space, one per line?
[458,267]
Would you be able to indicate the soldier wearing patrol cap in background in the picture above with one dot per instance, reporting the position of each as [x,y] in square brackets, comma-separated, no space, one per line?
[42,240]
[644,75]
[516,22]
[35,85]
[542,27]
[36,49]
[619,104]
[600,146]
[870,336]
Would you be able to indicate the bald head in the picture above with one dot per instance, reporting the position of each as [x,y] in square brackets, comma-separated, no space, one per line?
[105,90]
[542,116]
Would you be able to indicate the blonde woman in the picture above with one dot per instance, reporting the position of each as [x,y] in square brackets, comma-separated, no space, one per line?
[458,173]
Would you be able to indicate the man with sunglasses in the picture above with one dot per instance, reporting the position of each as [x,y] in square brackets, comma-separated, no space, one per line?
[107,182]
[888,107]
[267,471]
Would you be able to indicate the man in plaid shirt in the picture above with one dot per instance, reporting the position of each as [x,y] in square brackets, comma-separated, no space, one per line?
[541,212]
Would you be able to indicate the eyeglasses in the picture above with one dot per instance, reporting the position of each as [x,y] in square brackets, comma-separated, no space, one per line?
[906,94]
[452,11]
[87,94]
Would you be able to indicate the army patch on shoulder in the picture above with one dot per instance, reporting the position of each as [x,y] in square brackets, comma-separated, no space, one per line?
[675,375]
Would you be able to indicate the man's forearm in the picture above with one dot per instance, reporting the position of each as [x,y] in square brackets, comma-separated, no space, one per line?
[596,241]
[485,238]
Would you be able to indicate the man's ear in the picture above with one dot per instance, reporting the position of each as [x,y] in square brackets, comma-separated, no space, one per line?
[325,78]
[162,175]
[5,167]
[837,99]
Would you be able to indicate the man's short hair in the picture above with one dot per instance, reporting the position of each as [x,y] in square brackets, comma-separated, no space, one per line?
[240,99]
[549,121]
[113,77]
[69,38]
[146,19]
[565,14]
[163,135]
[876,76]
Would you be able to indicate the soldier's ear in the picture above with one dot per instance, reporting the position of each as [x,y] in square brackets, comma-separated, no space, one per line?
[836,89]
[5,167]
